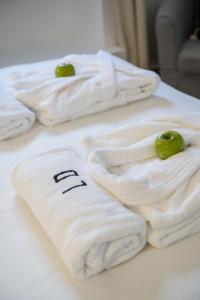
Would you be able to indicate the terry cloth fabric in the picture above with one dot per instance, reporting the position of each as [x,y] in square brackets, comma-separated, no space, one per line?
[15,118]
[91,231]
[102,81]
[165,192]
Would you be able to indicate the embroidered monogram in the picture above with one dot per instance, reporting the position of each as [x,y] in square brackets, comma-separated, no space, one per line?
[66,174]
[83,183]
[58,177]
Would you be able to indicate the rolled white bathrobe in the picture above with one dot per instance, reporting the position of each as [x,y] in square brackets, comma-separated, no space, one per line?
[165,192]
[90,230]
[102,81]
[15,118]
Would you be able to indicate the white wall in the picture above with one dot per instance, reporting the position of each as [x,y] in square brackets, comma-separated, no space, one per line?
[33,30]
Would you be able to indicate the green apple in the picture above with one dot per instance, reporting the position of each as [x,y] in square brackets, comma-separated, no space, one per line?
[168,143]
[64,70]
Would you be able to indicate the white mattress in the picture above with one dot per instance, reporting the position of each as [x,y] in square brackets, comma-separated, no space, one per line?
[30,267]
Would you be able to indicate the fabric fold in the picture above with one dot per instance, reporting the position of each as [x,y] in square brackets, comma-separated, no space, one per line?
[90,230]
[15,118]
[102,81]
[165,192]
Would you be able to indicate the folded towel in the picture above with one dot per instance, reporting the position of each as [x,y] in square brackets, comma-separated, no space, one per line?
[15,118]
[91,231]
[165,192]
[102,81]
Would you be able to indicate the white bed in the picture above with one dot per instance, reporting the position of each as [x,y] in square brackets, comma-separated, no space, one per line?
[30,267]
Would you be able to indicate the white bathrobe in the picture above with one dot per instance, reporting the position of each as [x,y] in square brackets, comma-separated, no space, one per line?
[15,118]
[165,192]
[90,230]
[102,81]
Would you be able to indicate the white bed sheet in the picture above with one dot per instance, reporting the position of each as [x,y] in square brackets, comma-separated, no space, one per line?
[30,267]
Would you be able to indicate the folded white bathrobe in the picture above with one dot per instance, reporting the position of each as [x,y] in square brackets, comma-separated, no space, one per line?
[90,230]
[15,118]
[102,81]
[165,192]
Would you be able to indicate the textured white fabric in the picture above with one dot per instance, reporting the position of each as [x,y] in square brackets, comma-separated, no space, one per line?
[165,192]
[90,230]
[15,118]
[102,81]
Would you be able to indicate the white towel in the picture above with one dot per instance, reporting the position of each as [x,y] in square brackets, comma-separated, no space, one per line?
[15,118]
[165,192]
[102,81]
[90,230]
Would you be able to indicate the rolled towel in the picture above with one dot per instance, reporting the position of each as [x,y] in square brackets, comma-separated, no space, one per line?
[15,118]
[165,192]
[102,81]
[91,231]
